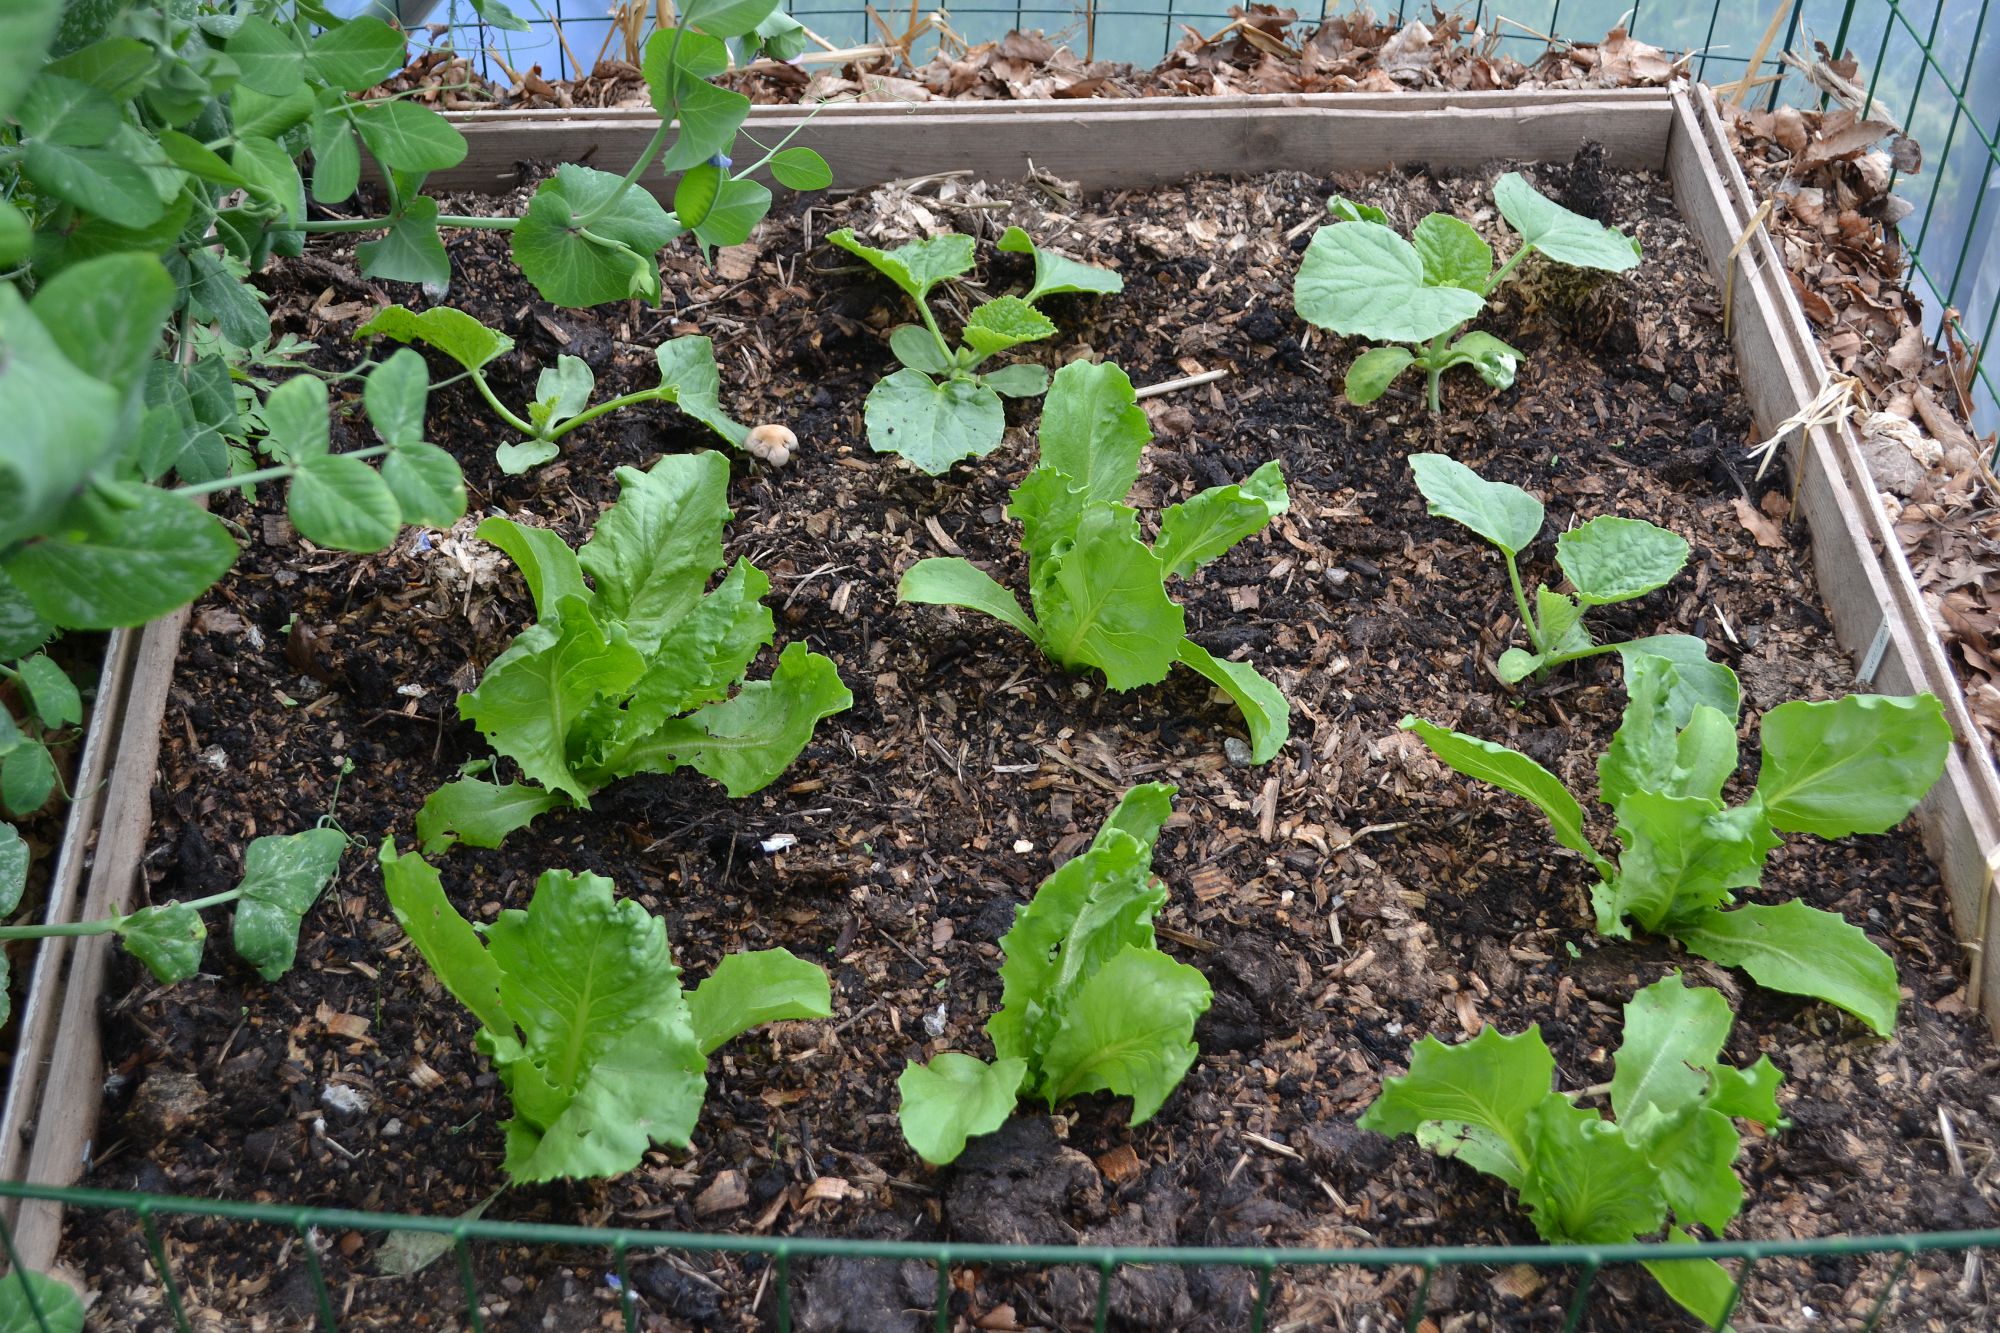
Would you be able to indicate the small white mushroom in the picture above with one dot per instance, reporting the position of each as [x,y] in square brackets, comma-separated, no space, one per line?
[771,444]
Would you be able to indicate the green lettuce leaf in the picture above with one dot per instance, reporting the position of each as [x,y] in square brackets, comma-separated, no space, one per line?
[1214,520]
[1803,951]
[479,813]
[953,1098]
[283,875]
[652,552]
[1852,765]
[746,742]
[1106,605]
[748,990]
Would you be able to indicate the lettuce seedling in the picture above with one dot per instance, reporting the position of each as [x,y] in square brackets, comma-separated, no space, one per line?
[633,672]
[283,875]
[688,379]
[1088,1002]
[1361,280]
[583,1018]
[1668,1152]
[939,408]
[1858,764]
[1606,560]
[1098,590]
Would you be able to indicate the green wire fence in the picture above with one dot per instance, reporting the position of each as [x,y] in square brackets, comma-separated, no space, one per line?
[619,1245]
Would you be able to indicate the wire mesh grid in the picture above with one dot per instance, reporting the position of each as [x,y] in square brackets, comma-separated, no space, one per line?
[618,1248]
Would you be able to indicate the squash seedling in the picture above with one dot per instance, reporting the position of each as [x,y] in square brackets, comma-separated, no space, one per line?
[940,407]
[1606,560]
[1858,764]
[688,379]
[1361,280]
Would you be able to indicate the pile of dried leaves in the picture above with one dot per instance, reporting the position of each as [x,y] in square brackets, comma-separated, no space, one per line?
[1830,176]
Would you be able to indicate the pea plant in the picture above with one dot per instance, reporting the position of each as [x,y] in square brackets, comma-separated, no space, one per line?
[598,1073]
[633,672]
[1858,764]
[940,407]
[1606,560]
[1098,589]
[1088,1002]
[688,379]
[283,875]
[1665,1158]
[150,163]
[1360,279]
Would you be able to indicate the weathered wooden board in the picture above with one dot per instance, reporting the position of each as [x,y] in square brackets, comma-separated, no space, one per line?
[74,1087]
[1108,144]
[35,1024]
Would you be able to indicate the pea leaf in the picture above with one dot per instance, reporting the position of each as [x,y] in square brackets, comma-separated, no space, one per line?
[357,54]
[403,136]
[121,554]
[166,939]
[954,1098]
[338,501]
[453,332]
[427,485]
[478,813]
[14,859]
[801,169]
[411,252]
[27,778]
[97,180]
[283,875]
[50,692]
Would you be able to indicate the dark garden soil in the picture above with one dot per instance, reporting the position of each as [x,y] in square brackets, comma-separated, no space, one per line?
[1344,900]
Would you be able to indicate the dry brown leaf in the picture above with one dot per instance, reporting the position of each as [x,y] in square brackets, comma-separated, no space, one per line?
[1758,526]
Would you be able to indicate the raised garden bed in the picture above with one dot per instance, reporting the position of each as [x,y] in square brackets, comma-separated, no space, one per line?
[1343,900]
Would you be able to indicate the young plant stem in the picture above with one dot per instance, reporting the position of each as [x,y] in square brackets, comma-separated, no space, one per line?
[1431,389]
[278,473]
[383,224]
[500,408]
[1521,602]
[1507,271]
[109,924]
[930,322]
[608,405]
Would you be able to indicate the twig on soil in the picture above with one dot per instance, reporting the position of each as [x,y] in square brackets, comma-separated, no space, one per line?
[1951,1152]
[1273,1146]
[1184,382]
